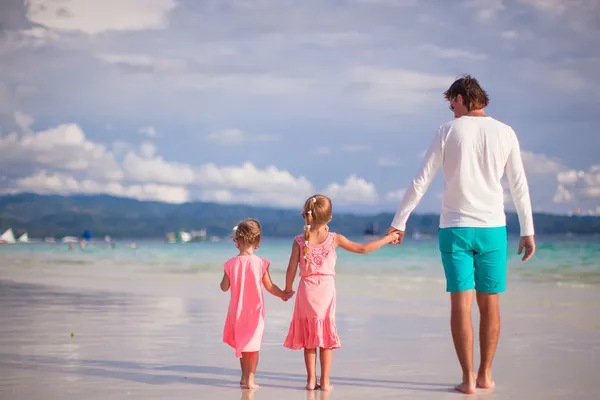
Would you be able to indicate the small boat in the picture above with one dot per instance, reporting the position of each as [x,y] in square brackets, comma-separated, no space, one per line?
[50,240]
[8,237]
[24,238]
[70,239]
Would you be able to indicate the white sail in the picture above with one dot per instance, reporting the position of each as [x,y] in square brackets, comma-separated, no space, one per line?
[185,237]
[8,236]
[24,238]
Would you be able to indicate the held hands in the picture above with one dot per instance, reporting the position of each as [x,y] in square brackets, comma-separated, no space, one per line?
[287,294]
[527,243]
[395,235]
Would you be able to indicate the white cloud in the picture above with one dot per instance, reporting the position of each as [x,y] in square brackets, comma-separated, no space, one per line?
[399,90]
[64,148]
[550,6]
[355,190]
[218,196]
[236,137]
[149,131]
[147,149]
[575,186]
[536,163]
[248,177]
[156,170]
[155,64]
[395,195]
[43,182]
[355,148]
[388,162]
[321,151]
[63,160]
[94,17]
[510,34]
[486,10]
[24,122]
[452,53]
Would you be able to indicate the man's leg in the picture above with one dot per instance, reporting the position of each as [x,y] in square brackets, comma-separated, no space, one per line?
[459,267]
[489,333]
[462,335]
[490,280]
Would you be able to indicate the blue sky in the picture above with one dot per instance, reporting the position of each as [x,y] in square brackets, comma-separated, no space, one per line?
[269,101]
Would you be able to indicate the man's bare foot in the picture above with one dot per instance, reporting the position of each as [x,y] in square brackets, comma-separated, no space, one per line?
[242,382]
[467,386]
[326,386]
[485,382]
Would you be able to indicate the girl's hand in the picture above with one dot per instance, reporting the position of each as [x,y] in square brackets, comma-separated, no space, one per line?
[288,294]
[393,237]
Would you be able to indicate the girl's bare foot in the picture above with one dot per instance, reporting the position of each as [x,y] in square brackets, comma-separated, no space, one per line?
[311,384]
[484,381]
[467,386]
[250,385]
[325,385]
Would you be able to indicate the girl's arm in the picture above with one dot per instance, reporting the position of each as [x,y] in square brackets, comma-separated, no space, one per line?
[344,243]
[292,268]
[225,282]
[273,288]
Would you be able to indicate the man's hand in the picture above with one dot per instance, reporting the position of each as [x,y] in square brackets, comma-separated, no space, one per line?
[399,232]
[527,243]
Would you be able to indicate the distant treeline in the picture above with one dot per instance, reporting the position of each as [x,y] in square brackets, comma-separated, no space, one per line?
[57,216]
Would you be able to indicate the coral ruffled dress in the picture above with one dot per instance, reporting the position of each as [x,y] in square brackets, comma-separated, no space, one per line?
[313,322]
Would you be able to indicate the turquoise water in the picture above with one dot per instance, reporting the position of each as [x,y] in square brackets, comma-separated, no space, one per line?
[558,259]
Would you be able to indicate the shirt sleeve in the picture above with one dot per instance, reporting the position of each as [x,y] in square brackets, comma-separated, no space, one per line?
[519,189]
[265,265]
[432,163]
[226,267]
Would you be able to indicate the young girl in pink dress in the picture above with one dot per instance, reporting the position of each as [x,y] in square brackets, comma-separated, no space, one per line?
[313,322]
[245,274]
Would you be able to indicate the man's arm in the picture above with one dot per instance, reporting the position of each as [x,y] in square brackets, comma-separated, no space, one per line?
[519,190]
[431,165]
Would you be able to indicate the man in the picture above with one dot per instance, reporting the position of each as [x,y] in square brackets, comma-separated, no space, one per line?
[474,151]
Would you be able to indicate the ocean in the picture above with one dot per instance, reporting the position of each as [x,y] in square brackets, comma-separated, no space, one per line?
[563,260]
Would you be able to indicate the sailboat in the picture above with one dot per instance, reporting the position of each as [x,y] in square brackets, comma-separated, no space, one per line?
[24,238]
[7,237]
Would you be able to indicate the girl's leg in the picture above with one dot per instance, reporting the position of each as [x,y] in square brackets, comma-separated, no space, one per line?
[252,366]
[249,365]
[326,355]
[243,363]
[310,359]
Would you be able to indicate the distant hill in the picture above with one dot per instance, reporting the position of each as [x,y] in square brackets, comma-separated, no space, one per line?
[58,216]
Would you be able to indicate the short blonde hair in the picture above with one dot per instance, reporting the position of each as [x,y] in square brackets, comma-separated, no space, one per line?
[248,232]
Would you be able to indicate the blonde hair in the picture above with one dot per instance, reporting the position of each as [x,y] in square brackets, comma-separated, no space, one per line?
[247,232]
[317,210]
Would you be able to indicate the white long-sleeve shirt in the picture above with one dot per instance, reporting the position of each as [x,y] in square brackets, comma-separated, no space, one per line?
[474,153]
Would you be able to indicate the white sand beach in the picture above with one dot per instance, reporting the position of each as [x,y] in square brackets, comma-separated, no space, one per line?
[158,336]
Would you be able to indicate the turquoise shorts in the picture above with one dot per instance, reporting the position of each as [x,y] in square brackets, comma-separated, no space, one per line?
[474,258]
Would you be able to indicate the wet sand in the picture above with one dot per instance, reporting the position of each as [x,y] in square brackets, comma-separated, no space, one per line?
[159,336]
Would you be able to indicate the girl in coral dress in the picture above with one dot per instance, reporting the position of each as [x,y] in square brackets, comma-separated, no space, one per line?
[246,274]
[313,323]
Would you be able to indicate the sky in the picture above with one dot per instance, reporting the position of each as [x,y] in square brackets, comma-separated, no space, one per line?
[266,102]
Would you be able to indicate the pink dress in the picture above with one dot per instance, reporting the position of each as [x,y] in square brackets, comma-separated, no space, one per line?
[313,322]
[245,321]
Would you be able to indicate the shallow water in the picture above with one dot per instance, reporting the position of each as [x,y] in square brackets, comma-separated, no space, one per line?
[563,260]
